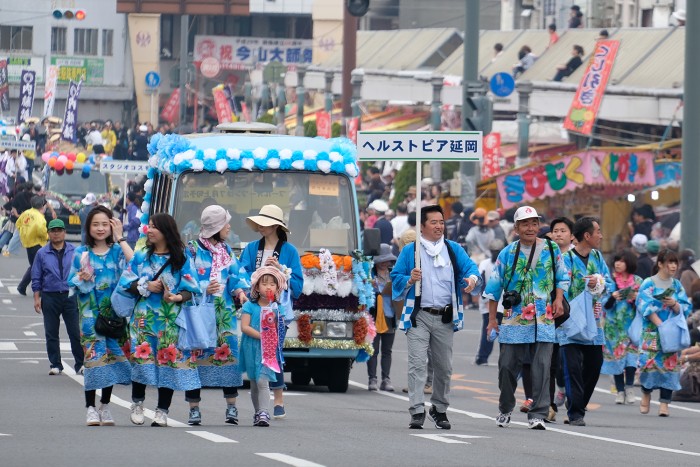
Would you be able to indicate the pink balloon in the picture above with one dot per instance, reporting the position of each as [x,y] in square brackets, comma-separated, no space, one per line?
[59,165]
[62,158]
[71,156]
[46,156]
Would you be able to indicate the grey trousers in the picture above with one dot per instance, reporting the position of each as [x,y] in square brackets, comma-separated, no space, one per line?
[260,394]
[510,363]
[434,335]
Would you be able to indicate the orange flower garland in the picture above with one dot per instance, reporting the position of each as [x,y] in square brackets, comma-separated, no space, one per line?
[311,261]
[359,331]
[304,328]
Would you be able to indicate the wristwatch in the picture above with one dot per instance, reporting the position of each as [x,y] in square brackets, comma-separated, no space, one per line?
[122,239]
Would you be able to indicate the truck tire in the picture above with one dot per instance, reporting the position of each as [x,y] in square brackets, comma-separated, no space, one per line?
[301,378]
[338,374]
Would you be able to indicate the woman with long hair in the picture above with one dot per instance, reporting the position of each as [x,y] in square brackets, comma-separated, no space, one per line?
[162,280]
[94,274]
[274,250]
[620,356]
[221,278]
[660,297]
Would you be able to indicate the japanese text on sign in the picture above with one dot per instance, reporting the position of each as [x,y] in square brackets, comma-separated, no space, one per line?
[123,167]
[248,52]
[26,95]
[70,119]
[414,145]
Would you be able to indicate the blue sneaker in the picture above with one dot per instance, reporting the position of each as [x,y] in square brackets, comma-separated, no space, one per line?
[195,416]
[279,412]
[231,414]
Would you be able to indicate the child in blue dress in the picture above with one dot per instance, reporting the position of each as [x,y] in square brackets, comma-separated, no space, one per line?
[260,344]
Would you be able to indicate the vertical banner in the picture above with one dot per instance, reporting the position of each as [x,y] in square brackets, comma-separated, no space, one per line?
[27,85]
[70,119]
[50,89]
[144,40]
[323,124]
[228,92]
[490,166]
[591,89]
[223,109]
[246,114]
[352,128]
[4,87]
[171,110]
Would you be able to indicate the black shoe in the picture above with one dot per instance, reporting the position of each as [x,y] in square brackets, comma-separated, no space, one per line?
[440,419]
[417,420]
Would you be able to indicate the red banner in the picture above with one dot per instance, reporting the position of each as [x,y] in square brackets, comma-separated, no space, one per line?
[223,108]
[490,166]
[171,110]
[584,108]
[323,124]
[353,126]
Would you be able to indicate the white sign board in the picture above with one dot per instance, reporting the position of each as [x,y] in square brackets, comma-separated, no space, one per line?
[124,167]
[9,142]
[245,53]
[419,145]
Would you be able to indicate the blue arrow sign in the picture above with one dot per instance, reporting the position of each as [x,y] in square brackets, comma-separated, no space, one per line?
[152,79]
[502,84]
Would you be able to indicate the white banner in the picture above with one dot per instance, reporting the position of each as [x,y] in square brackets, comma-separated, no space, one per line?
[242,53]
[419,145]
[50,89]
[124,167]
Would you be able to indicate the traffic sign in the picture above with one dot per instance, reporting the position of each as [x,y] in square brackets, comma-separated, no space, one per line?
[210,67]
[419,145]
[502,84]
[152,79]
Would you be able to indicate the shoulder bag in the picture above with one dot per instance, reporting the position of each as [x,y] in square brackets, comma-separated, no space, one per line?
[565,303]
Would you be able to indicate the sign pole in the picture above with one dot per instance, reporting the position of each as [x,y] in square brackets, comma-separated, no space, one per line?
[126,185]
[419,192]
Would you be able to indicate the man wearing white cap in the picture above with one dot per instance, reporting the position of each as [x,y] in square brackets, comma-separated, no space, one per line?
[528,273]
[645,265]
[87,204]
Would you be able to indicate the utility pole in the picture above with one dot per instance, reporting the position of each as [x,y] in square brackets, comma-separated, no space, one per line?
[690,189]
[349,64]
[435,121]
[184,59]
[468,170]
[524,91]
[301,73]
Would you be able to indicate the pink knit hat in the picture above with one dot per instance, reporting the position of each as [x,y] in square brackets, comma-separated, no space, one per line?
[272,271]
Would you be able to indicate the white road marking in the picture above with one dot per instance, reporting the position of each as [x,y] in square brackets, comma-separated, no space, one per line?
[556,430]
[289,460]
[68,371]
[29,333]
[6,301]
[33,325]
[33,362]
[4,434]
[13,291]
[447,438]
[673,406]
[8,346]
[214,438]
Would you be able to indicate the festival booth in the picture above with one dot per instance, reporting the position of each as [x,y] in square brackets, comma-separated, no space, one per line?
[594,182]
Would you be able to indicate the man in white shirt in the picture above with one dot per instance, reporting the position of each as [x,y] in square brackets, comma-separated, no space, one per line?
[400,221]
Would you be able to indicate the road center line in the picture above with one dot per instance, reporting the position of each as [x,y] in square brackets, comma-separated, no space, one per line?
[556,430]
[213,437]
[289,460]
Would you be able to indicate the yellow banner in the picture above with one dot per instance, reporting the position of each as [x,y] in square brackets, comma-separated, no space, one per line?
[144,38]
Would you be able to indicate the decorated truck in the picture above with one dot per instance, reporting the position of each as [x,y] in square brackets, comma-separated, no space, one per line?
[312,180]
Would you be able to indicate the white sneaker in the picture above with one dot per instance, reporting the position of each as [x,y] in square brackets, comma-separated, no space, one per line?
[137,413]
[620,398]
[93,418]
[536,424]
[105,416]
[54,371]
[503,420]
[160,419]
[630,398]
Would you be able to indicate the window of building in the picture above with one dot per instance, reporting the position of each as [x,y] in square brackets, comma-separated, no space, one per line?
[166,36]
[58,41]
[16,38]
[107,35]
[85,41]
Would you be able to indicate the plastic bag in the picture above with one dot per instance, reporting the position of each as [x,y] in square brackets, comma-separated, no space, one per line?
[673,334]
[581,325]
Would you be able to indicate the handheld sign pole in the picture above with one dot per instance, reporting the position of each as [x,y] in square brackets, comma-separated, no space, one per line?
[419,146]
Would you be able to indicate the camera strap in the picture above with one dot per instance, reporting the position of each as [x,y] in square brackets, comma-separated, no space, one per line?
[515,262]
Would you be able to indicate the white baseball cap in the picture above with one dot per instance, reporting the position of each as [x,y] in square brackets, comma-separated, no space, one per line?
[639,243]
[525,212]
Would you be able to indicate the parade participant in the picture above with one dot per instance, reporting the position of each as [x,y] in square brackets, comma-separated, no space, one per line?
[51,298]
[582,360]
[385,319]
[660,370]
[33,235]
[95,272]
[431,318]
[221,277]
[560,231]
[162,279]
[620,356]
[273,249]
[87,204]
[486,268]
[131,219]
[526,274]
[259,359]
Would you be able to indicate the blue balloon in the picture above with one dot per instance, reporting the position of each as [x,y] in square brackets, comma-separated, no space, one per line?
[85,174]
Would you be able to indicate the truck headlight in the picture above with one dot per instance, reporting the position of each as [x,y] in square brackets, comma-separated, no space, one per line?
[317,329]
[336,329]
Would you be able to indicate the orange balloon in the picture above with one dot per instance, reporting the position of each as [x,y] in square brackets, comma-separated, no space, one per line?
[69,164]
[52,162]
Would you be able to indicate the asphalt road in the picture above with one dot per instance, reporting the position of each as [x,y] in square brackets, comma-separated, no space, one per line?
[42,418]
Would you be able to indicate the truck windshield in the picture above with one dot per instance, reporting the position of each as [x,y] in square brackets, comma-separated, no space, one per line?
[74,184]
[319,208]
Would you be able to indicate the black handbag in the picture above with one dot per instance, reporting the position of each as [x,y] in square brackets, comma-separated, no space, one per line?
[565,303]
[113,327]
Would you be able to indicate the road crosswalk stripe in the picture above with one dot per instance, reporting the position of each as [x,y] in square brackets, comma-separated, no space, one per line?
[289,460]
[213,437]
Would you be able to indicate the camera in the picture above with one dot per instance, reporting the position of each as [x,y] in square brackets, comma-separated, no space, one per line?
[511,299]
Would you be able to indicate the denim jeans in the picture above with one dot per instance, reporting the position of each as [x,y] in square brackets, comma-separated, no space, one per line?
[625,379]
[382,344]
[486,346]
[5,238]
[53,305]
